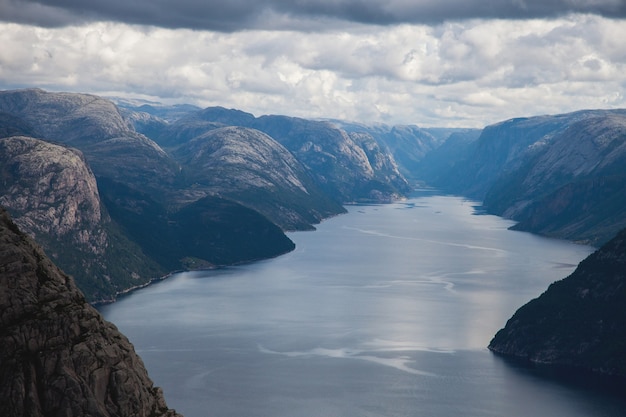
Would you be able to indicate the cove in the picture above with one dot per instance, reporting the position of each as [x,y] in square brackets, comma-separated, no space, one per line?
[384,311]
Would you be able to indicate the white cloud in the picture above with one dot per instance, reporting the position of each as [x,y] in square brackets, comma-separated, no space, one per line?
[468,73]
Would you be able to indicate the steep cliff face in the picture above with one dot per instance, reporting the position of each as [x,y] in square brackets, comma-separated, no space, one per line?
[51,191]
[579,322]
[58,356]
[339,164]
[408,145]
[53,196]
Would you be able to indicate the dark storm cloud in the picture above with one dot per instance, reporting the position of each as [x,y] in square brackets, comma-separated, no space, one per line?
[234,15]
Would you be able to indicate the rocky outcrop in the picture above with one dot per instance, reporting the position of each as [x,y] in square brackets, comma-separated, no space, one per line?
[59,356]
[51,191]
[579,322]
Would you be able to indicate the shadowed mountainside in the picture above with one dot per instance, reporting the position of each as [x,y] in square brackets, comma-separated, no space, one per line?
[579,322]
[561,176]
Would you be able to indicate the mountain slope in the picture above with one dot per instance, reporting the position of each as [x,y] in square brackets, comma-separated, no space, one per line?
[96,127]
[211,231]
[340,165]
[109,212]
[562,176]
[579,322]
[249,167]
[59,357]
[573,185]
[53,196]
[342,168]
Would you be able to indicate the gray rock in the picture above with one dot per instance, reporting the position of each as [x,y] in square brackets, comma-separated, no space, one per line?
[59,357]
[253,169]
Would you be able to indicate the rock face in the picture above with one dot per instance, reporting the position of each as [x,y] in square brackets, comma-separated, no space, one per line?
[53,196]
[579,322]
[52,189]
[572,186]
[58,356]
[342,168]
[407,145]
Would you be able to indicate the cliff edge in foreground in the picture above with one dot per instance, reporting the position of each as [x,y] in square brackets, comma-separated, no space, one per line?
[579,322]
[59,357]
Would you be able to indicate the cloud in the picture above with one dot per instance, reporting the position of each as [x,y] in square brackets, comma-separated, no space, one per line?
[467,73]
[235,15]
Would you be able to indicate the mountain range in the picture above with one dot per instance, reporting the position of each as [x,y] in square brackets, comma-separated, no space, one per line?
[119,195]
[109,189]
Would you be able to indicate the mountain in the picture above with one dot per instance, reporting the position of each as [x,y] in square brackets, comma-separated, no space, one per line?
[435,167]
[208,232]
[579,322]
[108,204]
[53,196]
[247,166]
[340,166]
[573,186]
[562,176]
[408,145]
[59,356]
[96,127]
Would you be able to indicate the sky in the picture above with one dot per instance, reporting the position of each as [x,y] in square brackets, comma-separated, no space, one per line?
[448,63]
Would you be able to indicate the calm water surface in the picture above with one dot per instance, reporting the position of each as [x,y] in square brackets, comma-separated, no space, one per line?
[384,311]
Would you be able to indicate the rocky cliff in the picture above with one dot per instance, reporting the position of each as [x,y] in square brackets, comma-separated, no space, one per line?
[58,356]
[341,166]
[579,322]
[571,186]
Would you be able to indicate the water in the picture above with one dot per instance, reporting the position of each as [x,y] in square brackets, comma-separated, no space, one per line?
[384,311]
